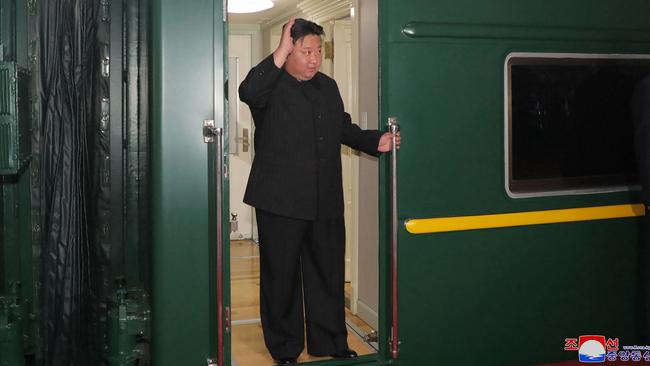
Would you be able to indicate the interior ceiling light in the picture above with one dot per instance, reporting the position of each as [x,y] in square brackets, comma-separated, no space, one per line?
[248,6]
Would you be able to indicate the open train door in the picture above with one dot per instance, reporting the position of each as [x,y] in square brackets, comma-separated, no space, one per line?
[189,175]
[520,288]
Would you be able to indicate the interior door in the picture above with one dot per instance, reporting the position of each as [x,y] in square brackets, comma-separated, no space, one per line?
[190,320]
[342,73]
[240,48]
[509,295]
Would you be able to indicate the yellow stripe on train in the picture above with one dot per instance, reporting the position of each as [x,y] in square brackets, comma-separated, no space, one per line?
[446,224]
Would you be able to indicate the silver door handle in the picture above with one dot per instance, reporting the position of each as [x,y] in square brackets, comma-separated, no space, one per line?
[393,127]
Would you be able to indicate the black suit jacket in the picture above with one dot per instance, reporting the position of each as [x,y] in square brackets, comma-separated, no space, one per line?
[299,129]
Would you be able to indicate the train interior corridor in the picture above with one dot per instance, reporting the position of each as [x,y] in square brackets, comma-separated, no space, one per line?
[350,40]
[247,340]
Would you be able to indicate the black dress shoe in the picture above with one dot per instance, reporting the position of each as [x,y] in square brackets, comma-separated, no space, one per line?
[287,361]
[348,353]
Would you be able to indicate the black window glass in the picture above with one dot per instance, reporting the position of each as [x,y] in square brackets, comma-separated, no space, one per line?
[570,122]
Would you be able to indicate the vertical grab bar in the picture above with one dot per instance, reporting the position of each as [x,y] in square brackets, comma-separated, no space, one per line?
[394,129]
[212,134]
[218,172]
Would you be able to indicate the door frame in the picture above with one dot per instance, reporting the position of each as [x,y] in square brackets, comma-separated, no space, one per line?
[187,40]
[384,309]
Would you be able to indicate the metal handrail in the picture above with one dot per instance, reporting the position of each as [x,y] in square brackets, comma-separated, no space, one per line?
[212,134]
[218,164]
[394,129]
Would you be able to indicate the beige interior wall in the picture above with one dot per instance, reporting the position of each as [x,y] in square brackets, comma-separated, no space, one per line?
[344,72]
[368,303]
[244,43]
[368,274]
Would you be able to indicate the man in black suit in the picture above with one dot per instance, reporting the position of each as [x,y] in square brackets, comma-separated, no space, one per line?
[295,185]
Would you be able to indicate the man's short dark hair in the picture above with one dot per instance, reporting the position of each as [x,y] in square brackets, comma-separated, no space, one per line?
[302,27]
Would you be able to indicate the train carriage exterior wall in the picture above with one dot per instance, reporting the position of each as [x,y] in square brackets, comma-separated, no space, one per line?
[503,296]
[486,275]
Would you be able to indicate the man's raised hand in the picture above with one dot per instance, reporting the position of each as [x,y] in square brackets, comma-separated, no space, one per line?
[286,44]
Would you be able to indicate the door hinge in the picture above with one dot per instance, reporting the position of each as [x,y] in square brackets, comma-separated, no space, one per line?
[209,132]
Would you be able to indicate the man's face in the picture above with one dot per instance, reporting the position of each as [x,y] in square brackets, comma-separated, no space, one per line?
[305,59]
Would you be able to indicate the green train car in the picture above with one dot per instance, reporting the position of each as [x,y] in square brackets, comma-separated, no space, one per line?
[509,229]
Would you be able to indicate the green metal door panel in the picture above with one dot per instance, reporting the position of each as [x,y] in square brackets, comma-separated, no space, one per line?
[448,97]
[579,14]
[493,292]
[186,37]
[511,296]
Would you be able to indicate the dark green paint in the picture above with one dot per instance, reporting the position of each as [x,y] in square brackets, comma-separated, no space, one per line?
[508,296]
[503,286]
[187,88]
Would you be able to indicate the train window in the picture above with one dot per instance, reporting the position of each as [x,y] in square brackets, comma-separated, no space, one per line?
[568,122]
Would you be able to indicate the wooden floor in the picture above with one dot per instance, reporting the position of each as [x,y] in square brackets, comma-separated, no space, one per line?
[248,347]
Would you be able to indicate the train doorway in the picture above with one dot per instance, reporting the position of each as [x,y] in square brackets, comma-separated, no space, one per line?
[350,41]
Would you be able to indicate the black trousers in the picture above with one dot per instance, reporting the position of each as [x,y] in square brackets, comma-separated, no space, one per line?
[302,257]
